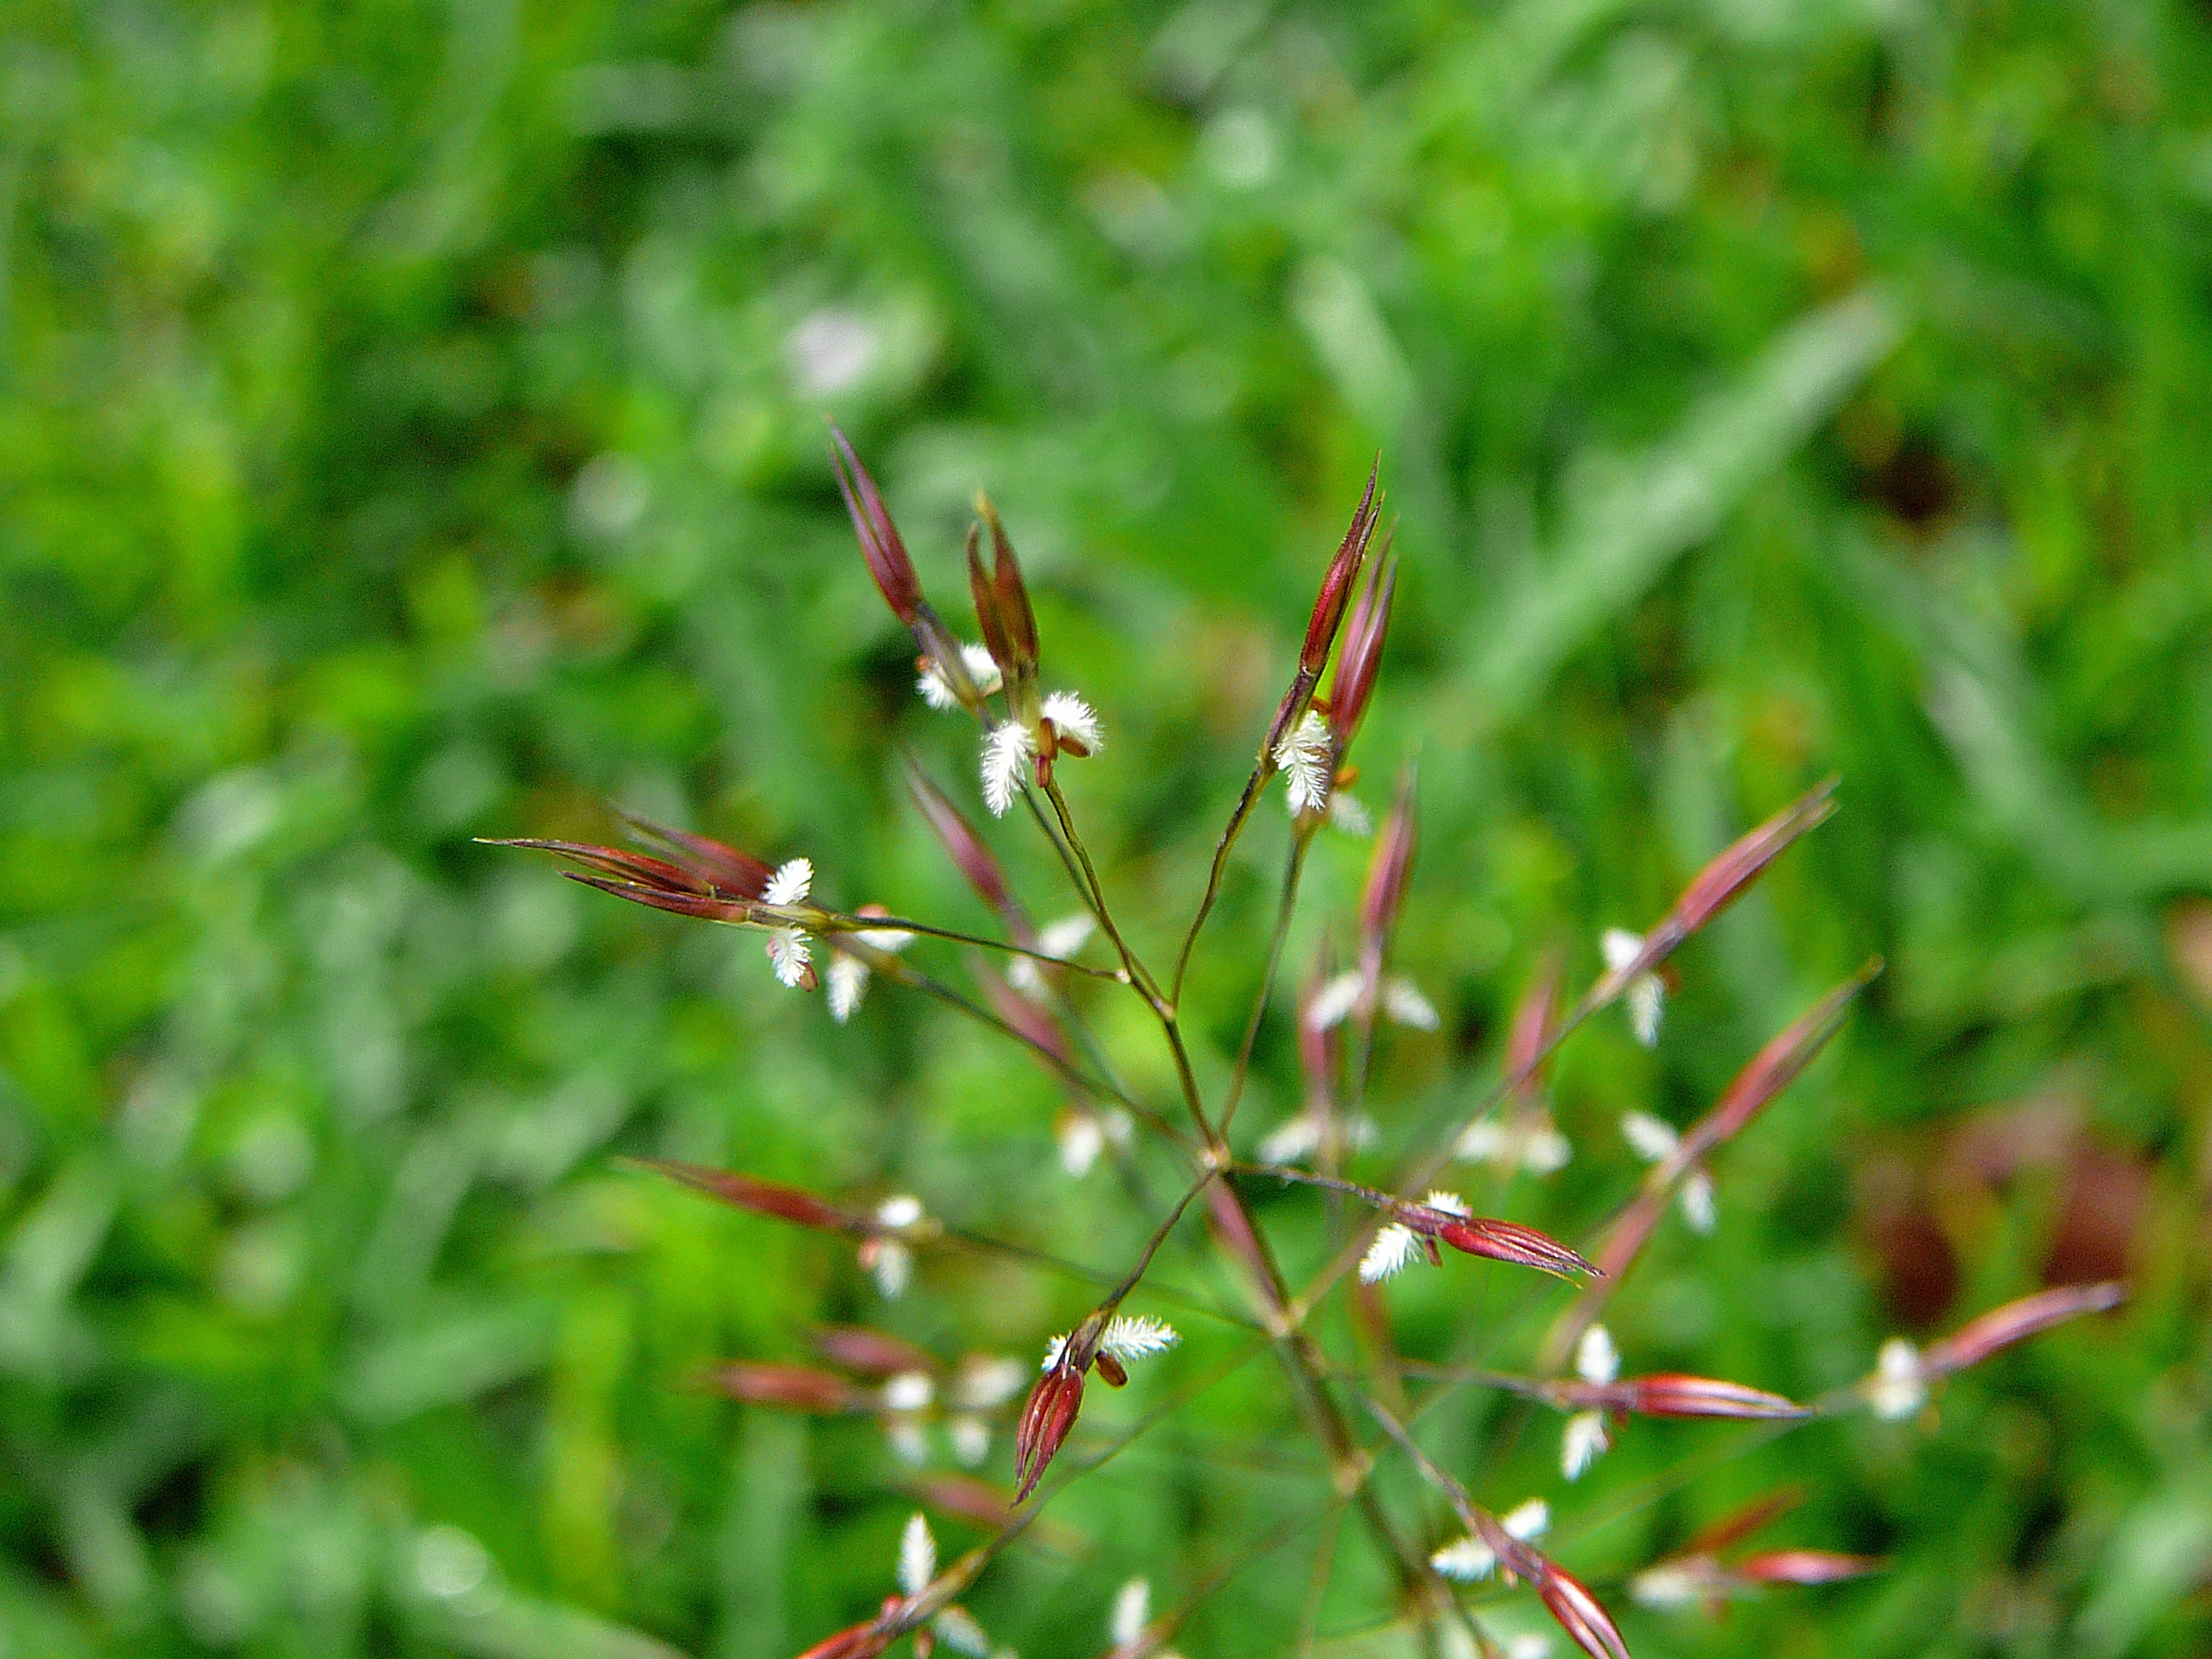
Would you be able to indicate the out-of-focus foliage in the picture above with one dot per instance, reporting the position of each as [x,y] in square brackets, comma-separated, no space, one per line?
[410,430]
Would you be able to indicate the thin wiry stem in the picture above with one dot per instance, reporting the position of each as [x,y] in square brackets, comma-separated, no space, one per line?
[1261,773]
[907,924]
[1301,839]
[1317,1590]
[906,973]
[1102,1278]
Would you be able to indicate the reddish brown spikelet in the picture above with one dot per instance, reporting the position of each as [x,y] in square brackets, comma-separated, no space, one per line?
[1389,870]
[1713,888]
[1772,1069]
[1669,1394]
[1508,1241]
[2017,1321]
[764,1197]
[988,619]
[1046,1417]
[796,1388]
[1232,1226]
[1535,1018]
[1739,1524]
[1034,1024]
[1361,656]
[872,1353]
[1805,1567]
[1336,586]
[1587,1623]
[1011,592]
[966,1497]
[971,856]
[724,866]
[642,879]
[879,545]
[1316,1045]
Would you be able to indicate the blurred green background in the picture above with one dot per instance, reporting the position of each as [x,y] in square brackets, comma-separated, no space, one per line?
[411,428]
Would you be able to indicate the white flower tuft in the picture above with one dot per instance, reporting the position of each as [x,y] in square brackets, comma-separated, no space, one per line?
[1584,1439]
[1450,1202]
[1535,1147]
[1333,1001]
[1296,1138]
[1010,746]
[1132,1607]
[909,1441]
[1596,1359]
[847,981]
[1061,939]
[1304,756]
[984,1383]
[957,1628]
[891,1266]
[971,1440]
[980,669]
[1669,1584]
[1646,994]
[1345,813]
[899,1209]
[791,884]
[1403,1002]
[1468,1560]
[1646,1001]
[917,1557]
[1137,1336]
[1650,1138]
[1074,718]
[1082,1138]
[1619,947]
[1899,1387]
[1393,1247]
[909,1391]
[1696,1199]
[1471,1559]
[790,952]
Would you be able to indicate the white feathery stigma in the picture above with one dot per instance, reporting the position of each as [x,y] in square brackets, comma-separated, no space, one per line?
[957,1628]
[1347,814]
[1534,1145]
[1403,1002]
[1137,1336]
[847,981]
[1471,1559]
[971,1440]
[1584,1437]
[1132,1607]
[917,1557]
[1062,938]
[1596,1359]
[1386,1257]
[1645,995]
[909,1391]
[1670,1583]
[1696,1199]
[1010,746]
[1082,1138]
[1651,1139]
[1334,1000]
[790,884]
[1304,755]
[980,669]
[1074,718]
[1450,1202]
[1296,1138]
[1897,1388]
